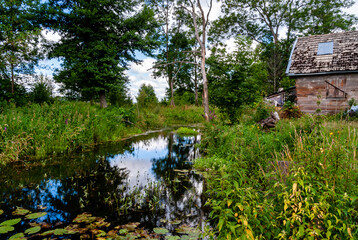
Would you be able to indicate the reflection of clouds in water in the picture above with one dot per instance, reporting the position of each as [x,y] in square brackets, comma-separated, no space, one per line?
[139,169]
[139,162]
[154,144]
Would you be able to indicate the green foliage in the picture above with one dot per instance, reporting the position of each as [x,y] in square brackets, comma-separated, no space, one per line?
[297,181]
[352,102]
[290,110]
[34,131]
[41,90]
[146,96]
[186,131]
[20,37]
[99,39]
[235,79]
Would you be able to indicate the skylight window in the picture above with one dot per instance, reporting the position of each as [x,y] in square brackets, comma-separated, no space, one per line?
[325,48]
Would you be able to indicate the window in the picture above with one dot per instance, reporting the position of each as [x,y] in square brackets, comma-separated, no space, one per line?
[335,89]
[325,48]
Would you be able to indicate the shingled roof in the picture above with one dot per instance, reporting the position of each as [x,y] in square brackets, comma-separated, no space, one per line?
[324,54]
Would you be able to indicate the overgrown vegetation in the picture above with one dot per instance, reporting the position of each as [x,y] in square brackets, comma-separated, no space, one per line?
[36,131]
[297,181]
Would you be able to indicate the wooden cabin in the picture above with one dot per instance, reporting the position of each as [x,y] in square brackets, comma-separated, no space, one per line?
[326,71]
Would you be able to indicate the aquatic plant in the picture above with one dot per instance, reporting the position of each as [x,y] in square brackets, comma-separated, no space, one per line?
[184,131]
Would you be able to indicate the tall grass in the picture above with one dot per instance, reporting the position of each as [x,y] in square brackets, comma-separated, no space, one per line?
[297,181]
[36,131]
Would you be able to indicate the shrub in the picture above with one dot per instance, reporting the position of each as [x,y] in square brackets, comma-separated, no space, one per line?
[290,110]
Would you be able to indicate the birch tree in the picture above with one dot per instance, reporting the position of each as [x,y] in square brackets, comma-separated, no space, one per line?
[200,21]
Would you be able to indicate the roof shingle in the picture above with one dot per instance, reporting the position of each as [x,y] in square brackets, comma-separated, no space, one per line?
[305,61]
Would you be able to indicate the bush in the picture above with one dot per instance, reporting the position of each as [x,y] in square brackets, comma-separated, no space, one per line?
[290,110]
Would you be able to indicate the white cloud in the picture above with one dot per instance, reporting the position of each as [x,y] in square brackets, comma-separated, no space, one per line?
[143,74]
[51,35]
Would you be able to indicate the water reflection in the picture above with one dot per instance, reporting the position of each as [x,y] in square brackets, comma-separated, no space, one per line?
[145,179]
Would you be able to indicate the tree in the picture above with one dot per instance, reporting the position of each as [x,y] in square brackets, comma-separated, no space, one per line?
[262,20]
[99,39]
[20,38]
[146,95]
[200,22]
[236,78]
[41,89]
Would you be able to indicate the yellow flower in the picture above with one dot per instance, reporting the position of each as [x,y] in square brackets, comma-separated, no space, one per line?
[236,214]
[331,133]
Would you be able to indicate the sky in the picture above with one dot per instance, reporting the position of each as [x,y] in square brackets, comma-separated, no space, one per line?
[141,73]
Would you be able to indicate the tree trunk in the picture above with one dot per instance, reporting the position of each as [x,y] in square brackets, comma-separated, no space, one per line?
[196,85]
[102,99]
[172,103]
[205,87]
[12,79]
[202,43]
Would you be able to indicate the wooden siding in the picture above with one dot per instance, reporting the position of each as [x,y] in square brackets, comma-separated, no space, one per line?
[310,87]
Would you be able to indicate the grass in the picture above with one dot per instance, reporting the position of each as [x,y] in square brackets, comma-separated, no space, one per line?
[36,131]
[297,181]
[184,131]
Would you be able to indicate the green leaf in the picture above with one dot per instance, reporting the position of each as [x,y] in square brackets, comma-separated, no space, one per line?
[17,236]
[33,230]
[6,229]
[172,237]
[175,222]
[36,215]
[60,232]
[10,222]
[161,231]
[50,232]
[20,211]
[220,224]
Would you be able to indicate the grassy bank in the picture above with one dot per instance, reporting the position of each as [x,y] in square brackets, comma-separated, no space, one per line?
[297,181]
[36,131]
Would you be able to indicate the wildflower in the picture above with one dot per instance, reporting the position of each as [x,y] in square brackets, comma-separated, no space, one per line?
[5,129]
[331,133]
[236,214]
[322,150]
[66,121]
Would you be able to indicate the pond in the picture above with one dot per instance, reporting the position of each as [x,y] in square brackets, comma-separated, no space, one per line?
[142,186]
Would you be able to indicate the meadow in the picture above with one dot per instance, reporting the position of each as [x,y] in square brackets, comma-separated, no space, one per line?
[34,132]
[295,181]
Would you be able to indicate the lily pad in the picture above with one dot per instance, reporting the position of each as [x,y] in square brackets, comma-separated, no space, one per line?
[6,229]
[10,222]
[175,222]
[163,220]
[161,231]
[33,230]
[60,232]
[21,211]
[47,233]
[36,215]
[17,236]
[84,218]
[172,237]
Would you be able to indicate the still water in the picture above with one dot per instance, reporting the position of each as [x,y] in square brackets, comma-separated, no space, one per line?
[146,179]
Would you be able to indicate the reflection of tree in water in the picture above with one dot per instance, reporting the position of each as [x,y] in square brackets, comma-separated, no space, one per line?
[88,183]
[182,199]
